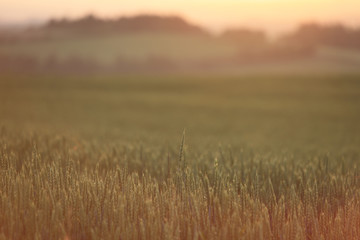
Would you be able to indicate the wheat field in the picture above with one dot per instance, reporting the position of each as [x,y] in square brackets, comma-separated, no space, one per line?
[261,158]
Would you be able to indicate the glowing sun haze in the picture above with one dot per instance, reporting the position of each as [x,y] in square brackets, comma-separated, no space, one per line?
[273,15]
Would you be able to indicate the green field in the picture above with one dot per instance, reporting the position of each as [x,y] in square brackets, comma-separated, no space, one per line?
[256,110]
[264,156]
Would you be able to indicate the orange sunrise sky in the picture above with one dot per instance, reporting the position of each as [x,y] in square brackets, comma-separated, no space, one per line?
[271,15]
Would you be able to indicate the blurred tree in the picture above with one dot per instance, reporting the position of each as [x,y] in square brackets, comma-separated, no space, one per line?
[314,35]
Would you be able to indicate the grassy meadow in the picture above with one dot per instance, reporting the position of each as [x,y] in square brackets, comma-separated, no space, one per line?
[263,156]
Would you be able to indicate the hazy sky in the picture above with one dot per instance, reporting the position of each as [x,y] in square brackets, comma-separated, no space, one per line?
[273,15]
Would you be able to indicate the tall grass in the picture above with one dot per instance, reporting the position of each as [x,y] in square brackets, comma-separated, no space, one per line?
[291,170]
[55,187]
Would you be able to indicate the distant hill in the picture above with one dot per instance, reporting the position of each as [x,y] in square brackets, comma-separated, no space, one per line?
[140,23]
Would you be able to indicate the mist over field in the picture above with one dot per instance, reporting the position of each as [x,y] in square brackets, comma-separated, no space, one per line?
[150,43]
[153,127]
